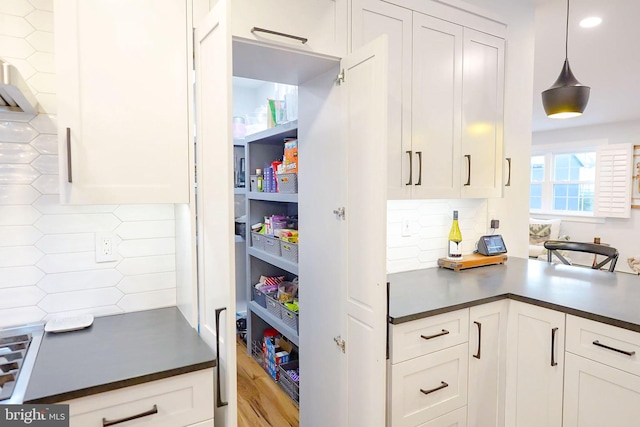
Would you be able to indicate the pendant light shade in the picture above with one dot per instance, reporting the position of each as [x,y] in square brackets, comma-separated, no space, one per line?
[567,97]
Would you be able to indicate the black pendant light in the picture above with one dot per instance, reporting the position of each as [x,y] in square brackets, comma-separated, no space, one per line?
[567,97]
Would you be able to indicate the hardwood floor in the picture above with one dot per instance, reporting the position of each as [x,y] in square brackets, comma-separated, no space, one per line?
[261,402]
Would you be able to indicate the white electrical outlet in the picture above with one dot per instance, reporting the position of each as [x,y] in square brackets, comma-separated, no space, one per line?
[104,248]
[406,228]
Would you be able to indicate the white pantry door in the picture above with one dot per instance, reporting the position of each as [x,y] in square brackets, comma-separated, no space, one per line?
[342,260]
[214,177]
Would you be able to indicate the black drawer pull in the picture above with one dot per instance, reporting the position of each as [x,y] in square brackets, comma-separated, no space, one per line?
[107,423]
[477,355]
[428,337]
[628,353]
[410,169]
[553,347]
[440,387]
[303,40]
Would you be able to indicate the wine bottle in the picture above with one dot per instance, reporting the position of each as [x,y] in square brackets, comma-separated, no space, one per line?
[455,238]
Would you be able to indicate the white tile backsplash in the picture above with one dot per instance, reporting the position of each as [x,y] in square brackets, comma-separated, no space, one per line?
[17,174]
[80,300]
[47,250]
[18,194]
[80,280]
[20,276]
[429,224]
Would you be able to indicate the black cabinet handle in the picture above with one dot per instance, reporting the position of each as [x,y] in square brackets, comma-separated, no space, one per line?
[419,153]
[410,168]
[69,175]
[477,355]
[628,353]
[219,402]
[264,30]
[508,184]
[440,387]
[428,337]
[107,423]
[468,157]
[553,347]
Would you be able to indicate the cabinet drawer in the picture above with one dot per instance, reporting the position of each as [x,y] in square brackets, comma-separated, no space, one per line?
[424,336]
[457,418]
[613,346]
[322,22]
[180,401]
[429,386]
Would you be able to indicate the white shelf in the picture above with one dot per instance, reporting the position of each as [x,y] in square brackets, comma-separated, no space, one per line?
[275,322]
[273,197]
[279,262]
[274,135]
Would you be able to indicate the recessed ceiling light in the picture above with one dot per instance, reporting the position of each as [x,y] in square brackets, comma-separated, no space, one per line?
[592,21]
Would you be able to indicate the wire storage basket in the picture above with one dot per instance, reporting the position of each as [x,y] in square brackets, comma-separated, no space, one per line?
[290,380]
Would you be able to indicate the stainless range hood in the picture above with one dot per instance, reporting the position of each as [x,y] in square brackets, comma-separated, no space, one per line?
[16,100]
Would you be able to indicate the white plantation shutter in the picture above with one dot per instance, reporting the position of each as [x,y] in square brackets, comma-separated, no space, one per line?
[614,169]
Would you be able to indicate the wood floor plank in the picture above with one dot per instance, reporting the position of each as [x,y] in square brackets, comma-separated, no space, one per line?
[261,402]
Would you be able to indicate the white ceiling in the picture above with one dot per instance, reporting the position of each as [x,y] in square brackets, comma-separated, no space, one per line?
[606,58]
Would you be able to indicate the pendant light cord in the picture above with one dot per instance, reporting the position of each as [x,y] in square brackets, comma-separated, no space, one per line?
[566,35]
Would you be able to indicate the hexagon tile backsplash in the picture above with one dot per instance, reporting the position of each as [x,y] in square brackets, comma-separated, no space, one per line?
[47,250]
[26,42]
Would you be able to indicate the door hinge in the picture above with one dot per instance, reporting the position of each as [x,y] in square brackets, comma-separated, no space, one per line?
[340,213]
[340,78]
[340,343]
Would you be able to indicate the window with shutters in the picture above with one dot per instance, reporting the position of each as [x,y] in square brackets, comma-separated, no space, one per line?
[582,180]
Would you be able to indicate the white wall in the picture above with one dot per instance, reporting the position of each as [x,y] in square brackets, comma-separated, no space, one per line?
[623,234]
[47,251]
[431,218]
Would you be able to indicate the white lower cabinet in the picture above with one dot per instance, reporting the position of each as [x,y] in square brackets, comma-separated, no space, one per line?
[429,386]
[598,395]
[601,378]
[534,366]
[487,364]
[182,400]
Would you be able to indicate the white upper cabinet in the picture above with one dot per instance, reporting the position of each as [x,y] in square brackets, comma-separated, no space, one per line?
[313,26]
[482,114]
[446,89]
[122,70]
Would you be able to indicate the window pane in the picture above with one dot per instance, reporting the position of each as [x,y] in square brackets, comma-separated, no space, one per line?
[572,204]
[573,190]
[562,160]
[535,198]
[537,168]
[560,190]
[560,203]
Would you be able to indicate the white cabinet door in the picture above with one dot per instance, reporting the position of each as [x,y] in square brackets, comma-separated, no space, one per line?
[482,114]
[436,107]
[216,254]
[343,266]
[487,364]
[323,23]
[599,395]
[372,18]
[122,101]
[534,366]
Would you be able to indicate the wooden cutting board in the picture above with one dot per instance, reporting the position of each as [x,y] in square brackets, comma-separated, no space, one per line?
[470,261]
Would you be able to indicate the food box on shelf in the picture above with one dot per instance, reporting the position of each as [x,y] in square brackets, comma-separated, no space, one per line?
[274,357]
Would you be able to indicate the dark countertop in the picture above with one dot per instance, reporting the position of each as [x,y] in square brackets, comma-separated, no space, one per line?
[115,352]
[612,298]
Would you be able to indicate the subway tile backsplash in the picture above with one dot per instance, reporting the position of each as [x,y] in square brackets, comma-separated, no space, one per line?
[47,250]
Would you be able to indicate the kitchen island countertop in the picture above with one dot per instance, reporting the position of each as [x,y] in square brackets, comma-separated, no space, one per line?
[611,298]
[115,352]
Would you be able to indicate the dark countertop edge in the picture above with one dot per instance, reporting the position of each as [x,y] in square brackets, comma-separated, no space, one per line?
[545,304]
[122,383]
